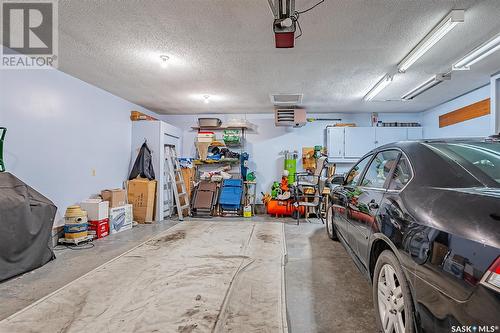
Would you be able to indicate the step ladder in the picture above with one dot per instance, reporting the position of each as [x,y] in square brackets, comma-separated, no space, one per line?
[181,198]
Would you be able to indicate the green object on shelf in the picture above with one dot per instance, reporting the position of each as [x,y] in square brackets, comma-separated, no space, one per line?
[317,151]
[3,131]
[251,176]
[232,136]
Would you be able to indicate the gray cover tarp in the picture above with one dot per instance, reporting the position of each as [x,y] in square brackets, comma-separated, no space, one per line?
[26,219]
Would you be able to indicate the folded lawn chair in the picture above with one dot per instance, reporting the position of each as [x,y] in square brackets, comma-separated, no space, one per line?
[204,198]
[230,196]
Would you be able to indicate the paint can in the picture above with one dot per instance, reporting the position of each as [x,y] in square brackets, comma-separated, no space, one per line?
[247,211]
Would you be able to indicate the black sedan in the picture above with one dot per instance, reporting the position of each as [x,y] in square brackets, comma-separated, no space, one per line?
[422,221]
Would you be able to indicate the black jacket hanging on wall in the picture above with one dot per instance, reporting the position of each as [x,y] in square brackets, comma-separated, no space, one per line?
[143,165]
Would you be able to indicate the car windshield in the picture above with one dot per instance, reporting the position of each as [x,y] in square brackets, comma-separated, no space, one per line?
[484,156]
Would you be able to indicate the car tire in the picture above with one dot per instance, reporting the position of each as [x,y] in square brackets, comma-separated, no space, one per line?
[330,228]
[391,296]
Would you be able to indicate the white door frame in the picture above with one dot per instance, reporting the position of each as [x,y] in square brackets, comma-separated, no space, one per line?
[495,104]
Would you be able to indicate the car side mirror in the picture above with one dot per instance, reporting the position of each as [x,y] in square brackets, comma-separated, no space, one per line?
[338,180]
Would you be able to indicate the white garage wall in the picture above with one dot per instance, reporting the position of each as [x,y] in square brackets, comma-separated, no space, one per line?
[60,129]
[265,144]
[474,127]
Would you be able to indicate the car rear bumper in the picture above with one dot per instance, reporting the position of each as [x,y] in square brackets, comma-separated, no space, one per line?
[439,313]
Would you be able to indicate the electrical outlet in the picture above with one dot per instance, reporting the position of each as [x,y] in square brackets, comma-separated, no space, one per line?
[93,172]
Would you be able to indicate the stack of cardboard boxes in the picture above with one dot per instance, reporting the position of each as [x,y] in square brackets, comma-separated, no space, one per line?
[108,215]
[97,215]
[117,209]
[120,213]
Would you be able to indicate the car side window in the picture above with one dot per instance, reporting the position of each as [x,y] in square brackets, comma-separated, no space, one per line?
[402,174]
[379,169]
[354,175]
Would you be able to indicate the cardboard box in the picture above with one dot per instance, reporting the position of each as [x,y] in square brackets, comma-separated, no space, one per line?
[96,209]
[189,176]
[99,229]
[116,197]
[142,195]
[120,219]
[308,160]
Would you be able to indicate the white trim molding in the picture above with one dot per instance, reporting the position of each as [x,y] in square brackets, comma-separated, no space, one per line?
[495,104]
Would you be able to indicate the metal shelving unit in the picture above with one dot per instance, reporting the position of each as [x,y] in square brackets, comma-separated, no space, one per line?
[202,166]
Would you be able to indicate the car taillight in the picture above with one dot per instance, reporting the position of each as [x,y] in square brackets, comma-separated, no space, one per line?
[492,277]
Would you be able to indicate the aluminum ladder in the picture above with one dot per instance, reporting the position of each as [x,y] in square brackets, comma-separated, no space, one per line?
[176,176]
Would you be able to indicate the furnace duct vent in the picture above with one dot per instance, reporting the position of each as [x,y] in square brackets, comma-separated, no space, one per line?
[286,99]
[289,117]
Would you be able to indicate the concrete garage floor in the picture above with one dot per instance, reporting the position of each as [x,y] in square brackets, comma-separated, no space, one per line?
[324,290]
[21,291]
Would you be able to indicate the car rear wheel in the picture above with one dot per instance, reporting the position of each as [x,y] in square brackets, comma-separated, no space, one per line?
[391,296]
[330,229]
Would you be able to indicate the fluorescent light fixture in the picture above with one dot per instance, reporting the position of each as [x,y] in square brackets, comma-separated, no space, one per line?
[164,61]
[449,22]
[429,84]
[478,54]
[384,82]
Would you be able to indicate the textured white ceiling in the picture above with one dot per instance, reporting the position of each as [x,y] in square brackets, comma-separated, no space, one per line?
[225,48]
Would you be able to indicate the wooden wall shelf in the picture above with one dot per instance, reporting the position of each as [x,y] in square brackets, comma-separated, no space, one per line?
[468,112]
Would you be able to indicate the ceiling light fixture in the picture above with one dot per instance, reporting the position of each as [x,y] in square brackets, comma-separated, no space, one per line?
[478,54]
[164,61]
[206,99]
[449,22]
[429,84]
[384,82]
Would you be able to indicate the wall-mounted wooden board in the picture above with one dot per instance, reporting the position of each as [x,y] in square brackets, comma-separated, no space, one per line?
[468,112]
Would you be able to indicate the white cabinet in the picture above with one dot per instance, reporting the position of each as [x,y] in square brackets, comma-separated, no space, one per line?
[335,142]
[347,144]
[415,133]
[358,141]
[385,135]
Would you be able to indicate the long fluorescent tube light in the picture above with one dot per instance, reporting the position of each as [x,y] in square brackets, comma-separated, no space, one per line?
[429,84]
[478,54]
[449,22]
[384,82]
